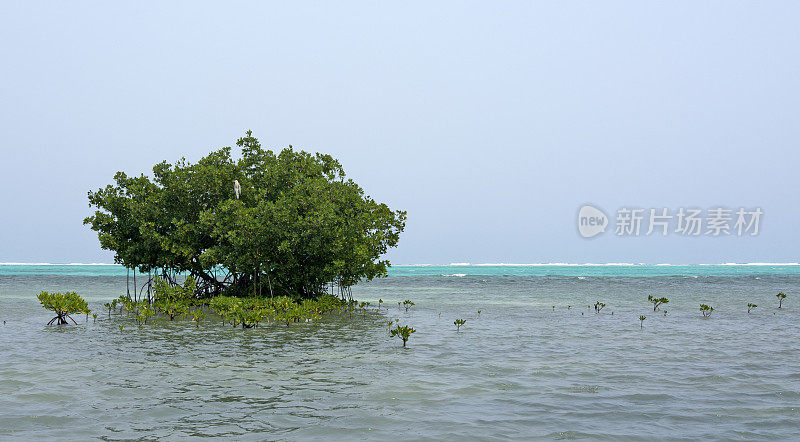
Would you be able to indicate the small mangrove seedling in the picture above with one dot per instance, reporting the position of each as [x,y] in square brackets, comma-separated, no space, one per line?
[94,317]
[408,304]
[108,306]
[197,316]
[440,315]
[657,301]
[121,328]
[641,320]
[402,332]
[665,313]
[750,307]
[145,312]
[380,301]
[569,307]
[554,308]
[458,323]
[479,312]
[706,310]
[63,305]
[781,297]
[598,306]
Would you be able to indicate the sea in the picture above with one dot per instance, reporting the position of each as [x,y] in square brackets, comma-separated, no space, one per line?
[535,360]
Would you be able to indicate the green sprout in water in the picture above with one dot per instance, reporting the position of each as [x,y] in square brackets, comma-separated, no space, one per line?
[665,313]
[94,317]
[408,304]
[781,297]
[641,320]
[479,312]
[145,312]
[458,323]
[598,306]
[63,305]
[750,306]
[197,316]
[173,300]
[402,332]
[657,301]
[380,301]
[706,310]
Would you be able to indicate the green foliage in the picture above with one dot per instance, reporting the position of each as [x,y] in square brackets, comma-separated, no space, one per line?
[298,224]
[250,312]
[458,323]
[144,312]
[657,301]
[173,300]
[408,304]
[641,320]
[402,332]
[750,306]
[198,316]
[63,305]
[706,310]
[781,296]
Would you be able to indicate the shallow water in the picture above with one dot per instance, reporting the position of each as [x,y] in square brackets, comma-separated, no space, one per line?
[518,370]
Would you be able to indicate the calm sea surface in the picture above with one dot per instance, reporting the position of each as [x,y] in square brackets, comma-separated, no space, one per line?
[520,369]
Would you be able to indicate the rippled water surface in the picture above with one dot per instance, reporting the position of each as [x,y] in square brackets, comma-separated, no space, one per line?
[521,369]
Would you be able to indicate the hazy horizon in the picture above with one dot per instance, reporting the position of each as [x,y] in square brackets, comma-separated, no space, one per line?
[491,124]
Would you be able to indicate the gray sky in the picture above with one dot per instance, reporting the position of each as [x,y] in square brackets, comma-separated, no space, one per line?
[490,122]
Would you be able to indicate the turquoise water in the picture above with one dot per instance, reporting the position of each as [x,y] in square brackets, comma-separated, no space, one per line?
[622,270]
[518,370]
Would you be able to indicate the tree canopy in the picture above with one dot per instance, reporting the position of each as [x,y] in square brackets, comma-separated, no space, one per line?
[297,225]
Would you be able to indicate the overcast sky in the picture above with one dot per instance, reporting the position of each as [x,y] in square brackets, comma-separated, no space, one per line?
[491,123]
